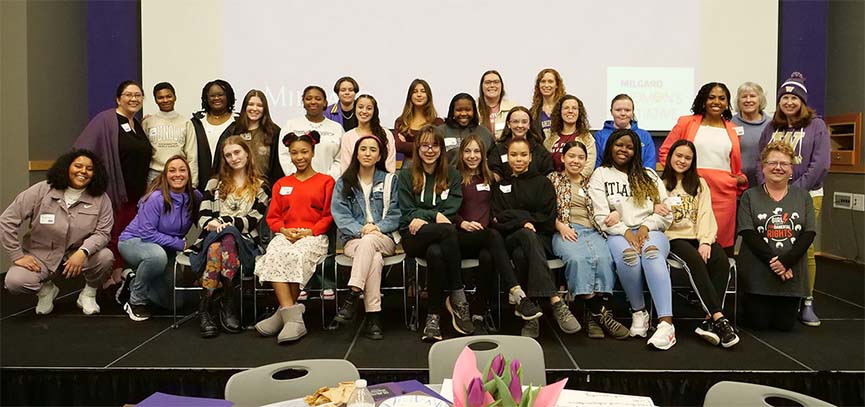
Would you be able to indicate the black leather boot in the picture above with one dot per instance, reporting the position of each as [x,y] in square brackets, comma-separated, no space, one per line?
[228,318]
[207,327]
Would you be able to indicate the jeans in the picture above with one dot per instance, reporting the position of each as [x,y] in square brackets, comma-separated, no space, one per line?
[588,264]
[152,284]
[653,264]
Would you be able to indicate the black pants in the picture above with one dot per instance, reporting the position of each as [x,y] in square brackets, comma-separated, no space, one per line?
[529,253]
[770,312]
[710,278]
[488,247]
[437,244]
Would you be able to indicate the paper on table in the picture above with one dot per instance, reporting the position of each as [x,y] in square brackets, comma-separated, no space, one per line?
[577,398]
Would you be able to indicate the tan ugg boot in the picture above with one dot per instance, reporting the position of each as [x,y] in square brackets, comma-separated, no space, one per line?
[293,328]
[271,325]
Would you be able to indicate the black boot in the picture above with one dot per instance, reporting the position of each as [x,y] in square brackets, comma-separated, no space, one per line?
[373,326]
[348,309]
[207,327]
[228,318]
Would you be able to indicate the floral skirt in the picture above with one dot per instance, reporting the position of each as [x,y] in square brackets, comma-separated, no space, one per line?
[287,262]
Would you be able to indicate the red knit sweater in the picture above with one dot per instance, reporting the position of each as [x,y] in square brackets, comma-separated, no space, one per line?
[301,204]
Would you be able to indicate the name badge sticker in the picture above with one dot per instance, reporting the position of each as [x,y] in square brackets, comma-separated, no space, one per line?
[378,188]
[483,187]
[46,219]
[445,194]
[126,127]
[450,142]
[739,130]
[674,201]
[615,199]
[504,158]
[581,192]
[506,189]
[285,190]
[152,133]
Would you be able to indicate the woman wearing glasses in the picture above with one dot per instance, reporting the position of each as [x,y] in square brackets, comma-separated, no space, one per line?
[212,123]
[492,104]
[798,125]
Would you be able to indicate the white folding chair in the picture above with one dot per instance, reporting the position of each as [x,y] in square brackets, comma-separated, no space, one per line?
[258,386]
[676,262]
[388,263]
[465,264]
[734,394]
[442,356]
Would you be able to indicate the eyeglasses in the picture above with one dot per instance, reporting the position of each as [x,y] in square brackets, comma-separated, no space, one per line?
[782,164]
[132,95]
[429,147]
[492,82]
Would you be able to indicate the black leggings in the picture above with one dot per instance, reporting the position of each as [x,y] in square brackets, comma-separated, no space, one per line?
[529,255]
[437,244]
[770,312]
[710,278]
[488,247]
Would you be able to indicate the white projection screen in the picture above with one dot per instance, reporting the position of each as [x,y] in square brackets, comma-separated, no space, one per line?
[660,53]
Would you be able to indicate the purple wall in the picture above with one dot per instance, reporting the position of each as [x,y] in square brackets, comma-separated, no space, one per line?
[802,33]
[113,50]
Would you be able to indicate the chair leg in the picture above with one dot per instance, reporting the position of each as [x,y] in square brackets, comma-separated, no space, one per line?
[174,297]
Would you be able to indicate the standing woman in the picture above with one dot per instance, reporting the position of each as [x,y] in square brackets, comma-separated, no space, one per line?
[118,139]
[549,87]
[524,212]
[637,241]
[255,126]
[578,242]
[492,105]
[368,124]
[154,237]
[717,143]
[234,203]
[798,125]
[367,214]
[692,238]
[519,127]
[170,133]
[212,123]
[299,216]
[69,219]
[777,223]
[342,111]
[570,123]
[751,119]
[430,193]
[479,241]
[326,157]
[417,112]
[462,120]
[622,110]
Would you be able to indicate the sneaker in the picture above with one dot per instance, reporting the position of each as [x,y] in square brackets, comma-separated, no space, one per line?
[612,327]
[137,313]
[593,326]
[45,298]
[527,309]
[349,308]
[480,325]
[806,312]
[639,323]
[373,327]
[122,293]
[303,296]
[531,329]
[461,317]
[432,331]
[726,332]
[664,337]
[565,318]
[87,301]
[706,330]
[328,294]
[513,299]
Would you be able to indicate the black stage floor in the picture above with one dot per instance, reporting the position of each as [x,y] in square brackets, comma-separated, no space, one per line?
[69,358]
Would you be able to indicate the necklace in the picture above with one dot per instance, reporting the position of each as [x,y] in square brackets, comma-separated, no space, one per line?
[346,117]
[783,194]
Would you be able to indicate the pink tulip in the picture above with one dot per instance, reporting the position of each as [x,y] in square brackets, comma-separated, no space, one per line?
[475,393]
[515,386]
[497,367]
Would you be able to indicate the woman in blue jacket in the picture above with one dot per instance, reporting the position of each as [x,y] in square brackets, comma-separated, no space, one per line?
[366,212]
[622,109]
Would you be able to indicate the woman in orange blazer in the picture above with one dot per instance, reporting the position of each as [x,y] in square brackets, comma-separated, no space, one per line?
[717,143]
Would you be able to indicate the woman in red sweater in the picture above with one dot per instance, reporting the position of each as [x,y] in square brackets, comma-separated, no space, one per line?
[299,215]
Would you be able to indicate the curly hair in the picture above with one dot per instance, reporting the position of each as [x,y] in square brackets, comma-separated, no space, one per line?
[253,180]
[780,146]
[58,174]
[558,124]
[538,99]
[699,105]
[226,87]
[643,187]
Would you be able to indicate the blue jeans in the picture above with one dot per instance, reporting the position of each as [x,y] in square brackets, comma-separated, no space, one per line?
[152,284]
[654,264]
[588,264]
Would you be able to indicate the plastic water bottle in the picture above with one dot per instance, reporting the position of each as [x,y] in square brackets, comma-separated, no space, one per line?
[360,397]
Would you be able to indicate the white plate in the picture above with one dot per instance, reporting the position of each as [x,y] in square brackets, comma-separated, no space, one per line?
[413,400]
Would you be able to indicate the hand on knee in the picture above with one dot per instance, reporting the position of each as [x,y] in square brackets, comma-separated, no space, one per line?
[629,257]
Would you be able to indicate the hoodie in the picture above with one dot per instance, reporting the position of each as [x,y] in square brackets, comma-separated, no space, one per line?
[650,156]
[153,225]
[428,203]
[527,197]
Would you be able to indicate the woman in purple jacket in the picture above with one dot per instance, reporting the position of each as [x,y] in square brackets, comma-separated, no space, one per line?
[152,239]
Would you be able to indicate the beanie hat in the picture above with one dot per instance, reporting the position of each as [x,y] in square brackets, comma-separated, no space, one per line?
[795,85]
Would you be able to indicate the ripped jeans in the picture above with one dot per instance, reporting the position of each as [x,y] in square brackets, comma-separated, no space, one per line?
[630,267]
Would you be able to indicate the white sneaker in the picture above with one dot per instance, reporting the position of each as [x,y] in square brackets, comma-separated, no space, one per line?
[46,296]
[87,301]
[639,323]
[664,337]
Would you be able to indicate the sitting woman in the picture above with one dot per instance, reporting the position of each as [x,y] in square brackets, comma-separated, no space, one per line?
[588,265]
[366,212]
[299,216]
[519,127]
[233,205]
[69,216]
[154,237]
[524,212]
[777,224]
[637,241]
[479,241]
[692,237]
[430,193]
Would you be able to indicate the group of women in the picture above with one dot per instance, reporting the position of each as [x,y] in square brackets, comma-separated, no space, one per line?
[507,185]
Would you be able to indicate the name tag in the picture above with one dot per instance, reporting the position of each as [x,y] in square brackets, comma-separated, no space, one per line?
[674,201]
[126,127]
[285,190]
[450,142]
[504,158]
[500,126]
[152,131]
[445,194]
[581,192]
[46,219]
[246,136]
[483,187]
[506,189]
[378,188]
[739,130]
[614,199]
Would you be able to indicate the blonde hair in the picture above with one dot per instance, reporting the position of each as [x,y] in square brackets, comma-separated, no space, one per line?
[780,146]
[226,180]
[752,86]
